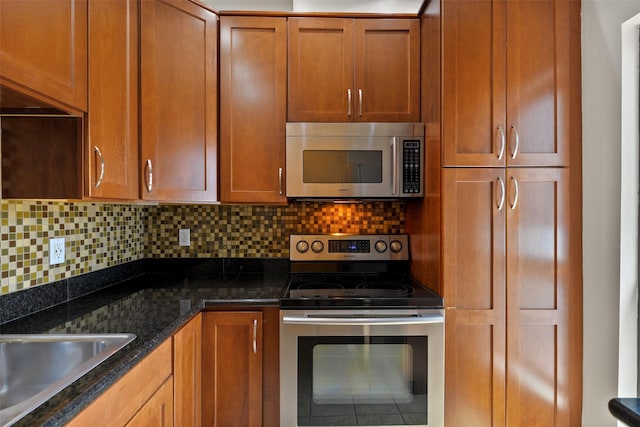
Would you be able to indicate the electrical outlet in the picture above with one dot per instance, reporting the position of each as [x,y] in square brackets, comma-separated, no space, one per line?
[56,251]
[184,237]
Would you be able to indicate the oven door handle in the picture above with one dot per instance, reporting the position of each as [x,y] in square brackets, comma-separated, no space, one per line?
[328,320]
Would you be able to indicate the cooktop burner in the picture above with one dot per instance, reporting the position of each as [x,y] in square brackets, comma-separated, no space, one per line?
[306,292]
[343,271]
[365,289]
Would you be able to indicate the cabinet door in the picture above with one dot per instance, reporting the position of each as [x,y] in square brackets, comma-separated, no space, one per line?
[43,48]
[158,411]
[124,399]
[507,94]
[538,298]
[387,87]
[321,73]
[473,83]
[232,369]
[178,101]
[539,94]
[474,250]
[253,78]
[187,374]
[112,126]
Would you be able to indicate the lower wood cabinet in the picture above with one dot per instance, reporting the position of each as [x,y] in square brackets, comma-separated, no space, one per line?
[220,369]
[187,374]
[232,369]
[158,411]
[164,389]
[240,368]
[143,395]
[510,298]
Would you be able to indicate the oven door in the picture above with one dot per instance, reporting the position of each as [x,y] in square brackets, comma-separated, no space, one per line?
[362,368]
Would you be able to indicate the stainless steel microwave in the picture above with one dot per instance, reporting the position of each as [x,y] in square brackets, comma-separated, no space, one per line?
[355,160]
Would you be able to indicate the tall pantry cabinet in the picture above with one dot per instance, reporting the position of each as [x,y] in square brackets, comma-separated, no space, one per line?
[511,212]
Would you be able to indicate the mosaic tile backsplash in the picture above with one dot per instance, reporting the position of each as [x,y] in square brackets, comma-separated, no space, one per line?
[100,235]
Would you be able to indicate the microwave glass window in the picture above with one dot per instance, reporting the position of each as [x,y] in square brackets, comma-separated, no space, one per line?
[342,166]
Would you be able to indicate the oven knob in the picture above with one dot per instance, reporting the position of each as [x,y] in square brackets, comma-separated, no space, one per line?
[396,246]
[317,246]
[302,246]
[381,246]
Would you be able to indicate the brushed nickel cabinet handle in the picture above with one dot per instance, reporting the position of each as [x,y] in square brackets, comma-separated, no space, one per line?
[500,203]
[349,102]
[503,142]
[517,195]
[101,177]
[255,336]
[360,102]
[517,145]
[149,176]
[280,181]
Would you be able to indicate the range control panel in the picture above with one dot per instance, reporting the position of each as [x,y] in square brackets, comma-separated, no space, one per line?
[348,247]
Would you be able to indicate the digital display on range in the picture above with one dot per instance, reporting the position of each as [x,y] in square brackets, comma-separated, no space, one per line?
[349,246]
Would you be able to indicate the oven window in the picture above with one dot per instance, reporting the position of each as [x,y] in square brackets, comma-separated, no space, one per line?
[372,381]
[342,166]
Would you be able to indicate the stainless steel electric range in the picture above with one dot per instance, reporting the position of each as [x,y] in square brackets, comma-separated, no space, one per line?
[361,342]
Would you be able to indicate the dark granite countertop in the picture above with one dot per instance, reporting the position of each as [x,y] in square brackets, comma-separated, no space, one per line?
[153,306]
[626,409]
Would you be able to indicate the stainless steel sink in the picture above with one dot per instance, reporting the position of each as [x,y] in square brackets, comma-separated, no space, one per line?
[33,368]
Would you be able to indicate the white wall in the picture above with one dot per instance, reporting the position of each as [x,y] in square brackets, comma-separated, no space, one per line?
[601,104]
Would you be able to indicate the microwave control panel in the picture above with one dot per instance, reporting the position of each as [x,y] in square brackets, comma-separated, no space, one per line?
[411,167]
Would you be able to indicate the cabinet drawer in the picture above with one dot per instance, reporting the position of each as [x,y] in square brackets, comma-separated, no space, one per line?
[123,400]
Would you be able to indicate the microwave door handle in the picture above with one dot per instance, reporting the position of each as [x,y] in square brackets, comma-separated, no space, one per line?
[394,165]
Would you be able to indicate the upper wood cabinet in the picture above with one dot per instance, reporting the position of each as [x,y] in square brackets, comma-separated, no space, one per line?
[112,123]
[232,368]
[253,78]
[178,61]
[43,49]
[344,70]
[507,94]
